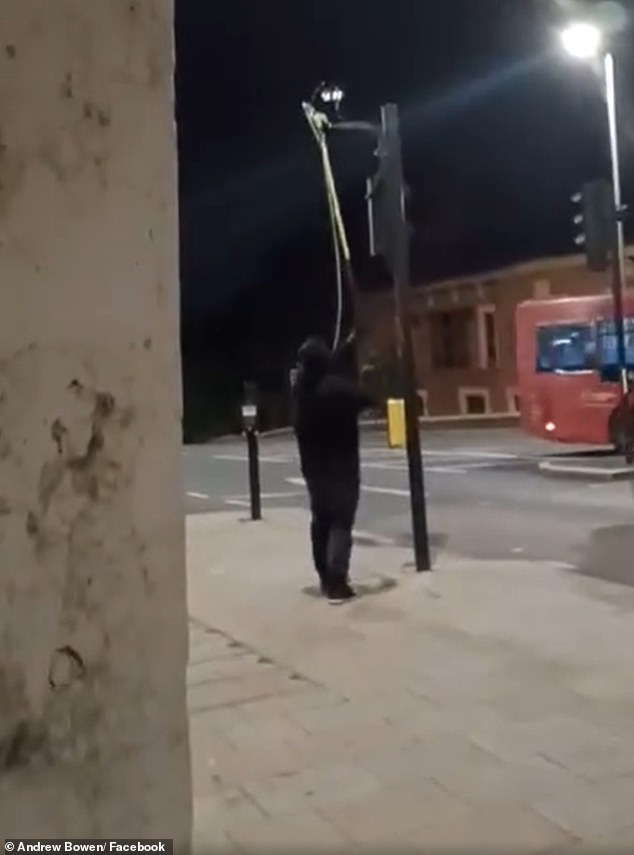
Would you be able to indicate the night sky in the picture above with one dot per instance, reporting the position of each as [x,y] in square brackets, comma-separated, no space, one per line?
[499,130]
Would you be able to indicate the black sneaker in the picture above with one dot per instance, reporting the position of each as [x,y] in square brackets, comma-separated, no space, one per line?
[341,594]
[349,591]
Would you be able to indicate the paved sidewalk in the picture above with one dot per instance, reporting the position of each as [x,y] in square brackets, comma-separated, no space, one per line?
[484,707]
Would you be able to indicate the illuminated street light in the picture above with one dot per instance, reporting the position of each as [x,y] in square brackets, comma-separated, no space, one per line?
[582,40]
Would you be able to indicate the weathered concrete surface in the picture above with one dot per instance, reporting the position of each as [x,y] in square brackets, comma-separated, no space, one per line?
[93,729]
[485,708]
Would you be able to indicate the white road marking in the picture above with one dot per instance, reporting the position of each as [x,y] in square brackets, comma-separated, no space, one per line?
[388,491]
[194,495]
[238,503]
[232,458]
[467,452]
[387,467]
[469,465]
[377,538]
[380,455]
[243,458]
[448,470]
[455,463]
[287,495]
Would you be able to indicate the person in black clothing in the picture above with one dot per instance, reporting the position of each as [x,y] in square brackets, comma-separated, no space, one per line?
[326,420]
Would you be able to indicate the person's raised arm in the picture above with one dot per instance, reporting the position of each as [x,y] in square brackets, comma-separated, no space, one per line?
[353,394]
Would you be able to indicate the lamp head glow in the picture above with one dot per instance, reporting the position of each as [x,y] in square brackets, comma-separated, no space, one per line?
[582,40]
[332,95]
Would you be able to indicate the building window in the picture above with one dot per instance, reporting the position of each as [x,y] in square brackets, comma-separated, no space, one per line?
[487,338]
[451,338]
[474,402]
[491,338]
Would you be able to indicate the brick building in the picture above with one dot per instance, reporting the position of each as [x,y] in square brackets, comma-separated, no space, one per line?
[464,331]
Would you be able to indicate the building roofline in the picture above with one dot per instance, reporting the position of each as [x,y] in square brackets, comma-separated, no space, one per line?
[535,265]
[522,268]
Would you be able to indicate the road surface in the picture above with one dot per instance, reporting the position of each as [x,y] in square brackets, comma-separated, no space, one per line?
[486,498]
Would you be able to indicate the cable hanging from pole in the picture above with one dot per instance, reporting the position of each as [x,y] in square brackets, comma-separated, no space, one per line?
[338,274]
[319,124]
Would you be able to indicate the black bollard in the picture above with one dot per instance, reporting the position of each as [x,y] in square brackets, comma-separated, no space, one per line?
[250,423]
[254,473]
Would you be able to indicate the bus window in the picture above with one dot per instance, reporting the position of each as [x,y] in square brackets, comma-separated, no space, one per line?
[565,348]
[606,345]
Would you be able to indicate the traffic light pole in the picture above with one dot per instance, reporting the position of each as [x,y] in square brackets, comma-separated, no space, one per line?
[396,227]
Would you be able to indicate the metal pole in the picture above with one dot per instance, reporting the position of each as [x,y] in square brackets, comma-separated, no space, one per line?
[254,474]
[398,239]
[618,246]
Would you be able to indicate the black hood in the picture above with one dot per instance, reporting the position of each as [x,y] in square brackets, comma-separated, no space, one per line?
[314,359]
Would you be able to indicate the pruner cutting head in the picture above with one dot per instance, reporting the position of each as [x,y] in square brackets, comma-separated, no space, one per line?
[316,118]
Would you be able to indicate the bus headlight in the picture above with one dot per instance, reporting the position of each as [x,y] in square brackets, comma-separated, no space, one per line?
[550,426]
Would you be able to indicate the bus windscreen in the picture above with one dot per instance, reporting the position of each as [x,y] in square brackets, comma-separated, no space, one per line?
[565,348]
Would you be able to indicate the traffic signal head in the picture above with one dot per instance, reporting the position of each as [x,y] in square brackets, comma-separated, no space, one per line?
[596,221]
[389,199]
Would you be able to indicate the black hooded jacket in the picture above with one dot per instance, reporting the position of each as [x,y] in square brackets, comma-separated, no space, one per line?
[326,416]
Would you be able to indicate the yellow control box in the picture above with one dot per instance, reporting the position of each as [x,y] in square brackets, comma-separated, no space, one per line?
[396,423]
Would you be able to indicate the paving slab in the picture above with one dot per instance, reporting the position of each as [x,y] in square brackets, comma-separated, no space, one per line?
[485,706]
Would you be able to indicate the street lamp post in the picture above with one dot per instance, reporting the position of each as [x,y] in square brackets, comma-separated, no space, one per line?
[584,41]
[618,253]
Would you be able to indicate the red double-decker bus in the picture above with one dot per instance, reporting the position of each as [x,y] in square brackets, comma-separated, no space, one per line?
[568,371]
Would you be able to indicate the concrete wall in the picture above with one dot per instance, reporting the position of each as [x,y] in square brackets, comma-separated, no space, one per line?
[93,726]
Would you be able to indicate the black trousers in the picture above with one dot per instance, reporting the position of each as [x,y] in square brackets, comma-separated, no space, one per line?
[333,501]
